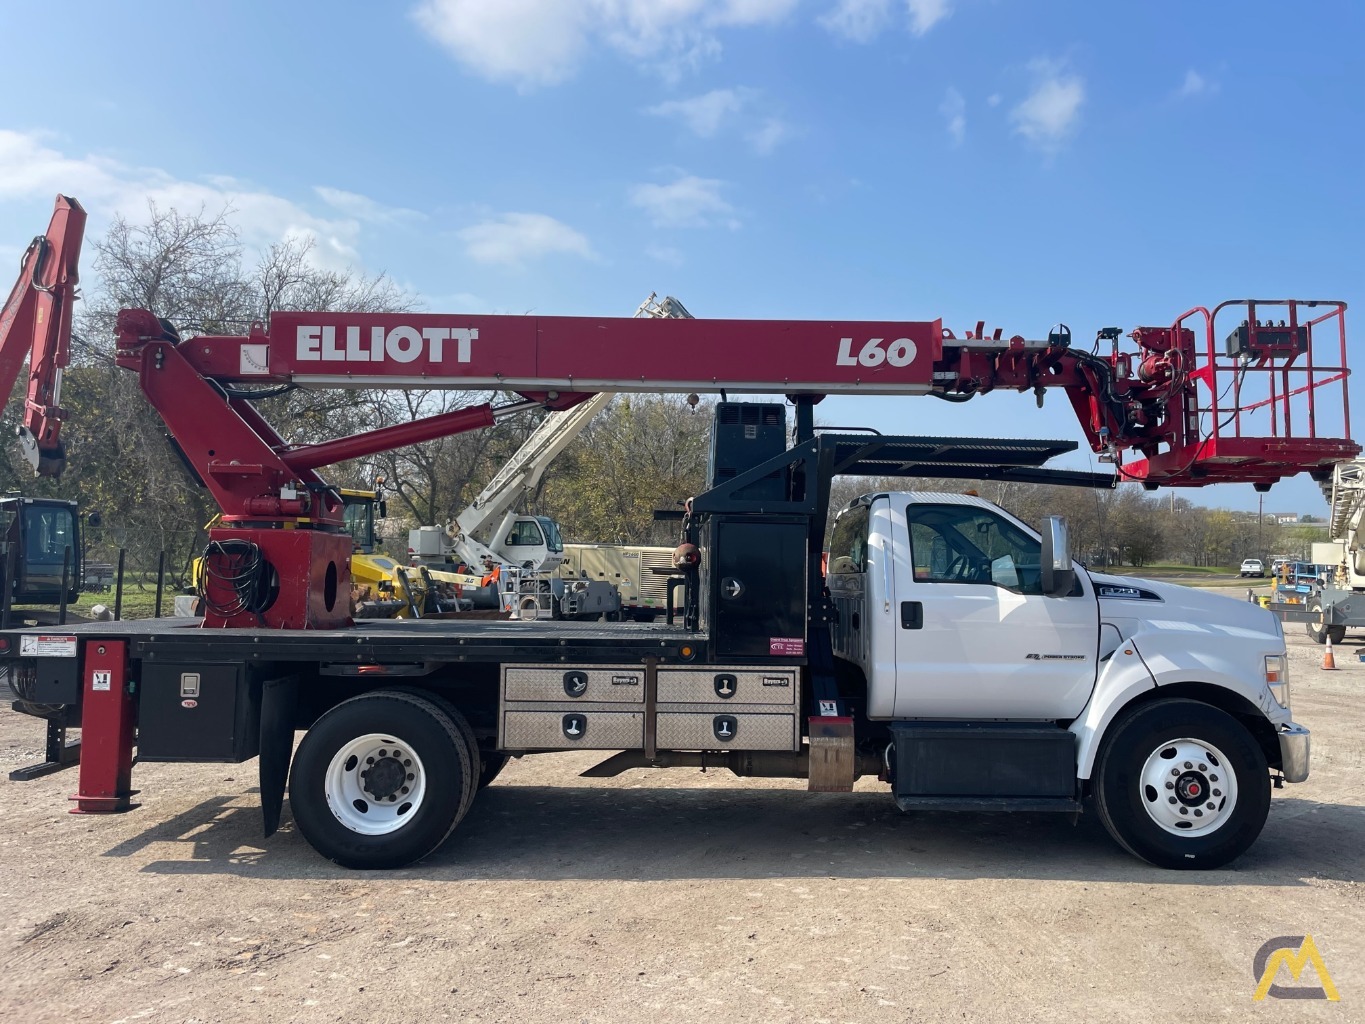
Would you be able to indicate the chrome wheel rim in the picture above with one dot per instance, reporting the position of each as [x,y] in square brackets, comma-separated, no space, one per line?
[1188,787]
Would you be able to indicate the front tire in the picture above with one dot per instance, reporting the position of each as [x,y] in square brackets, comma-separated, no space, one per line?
[1318,633]
[1182,785]
[379,781]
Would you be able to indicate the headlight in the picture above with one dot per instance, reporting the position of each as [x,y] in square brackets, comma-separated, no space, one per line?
[1277,678]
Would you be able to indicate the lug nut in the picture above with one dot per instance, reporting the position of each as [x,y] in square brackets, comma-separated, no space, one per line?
[1175,771]
[1198,813]
[405,789]
[411,776]
[369,760]
[1213,778]
[1203,767]
[1217,792]
[1170,799]
[1170,785]
[1209,806]
[1184,810]
[1187,763]
[407,762]
[384,753]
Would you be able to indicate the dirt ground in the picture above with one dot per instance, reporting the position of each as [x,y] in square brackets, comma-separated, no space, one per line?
[673,896]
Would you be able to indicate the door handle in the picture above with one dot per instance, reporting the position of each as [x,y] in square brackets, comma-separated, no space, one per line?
[912,615]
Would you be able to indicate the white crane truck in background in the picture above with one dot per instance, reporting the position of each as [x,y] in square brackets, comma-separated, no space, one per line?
[951,651]
[528,549]
[1335,601]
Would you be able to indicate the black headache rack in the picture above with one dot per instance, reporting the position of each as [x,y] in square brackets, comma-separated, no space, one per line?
[759,528]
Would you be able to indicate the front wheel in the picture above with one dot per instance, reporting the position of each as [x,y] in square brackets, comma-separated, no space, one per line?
[1182,785]
[380,780]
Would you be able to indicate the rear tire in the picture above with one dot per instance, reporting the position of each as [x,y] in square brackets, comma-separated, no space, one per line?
[404,804]
[493,764]
[1182,785]
[1318,633]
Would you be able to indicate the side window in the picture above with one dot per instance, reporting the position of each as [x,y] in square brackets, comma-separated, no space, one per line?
[848,543]
[969,544]
[525,532]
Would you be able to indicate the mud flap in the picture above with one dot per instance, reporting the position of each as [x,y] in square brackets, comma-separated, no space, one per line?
[279,698]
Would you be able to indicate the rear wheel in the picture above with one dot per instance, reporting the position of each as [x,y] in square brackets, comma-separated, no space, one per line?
[380,780]
[1182,785]
[1319,632]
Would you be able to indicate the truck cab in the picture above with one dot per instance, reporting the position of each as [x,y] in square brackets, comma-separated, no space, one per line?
[1002,675]
[42,539]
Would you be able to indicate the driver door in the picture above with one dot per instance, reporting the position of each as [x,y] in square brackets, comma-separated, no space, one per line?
[975,636]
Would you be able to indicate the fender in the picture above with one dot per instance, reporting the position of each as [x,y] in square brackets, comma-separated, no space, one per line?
[1124,677]
[1162,655]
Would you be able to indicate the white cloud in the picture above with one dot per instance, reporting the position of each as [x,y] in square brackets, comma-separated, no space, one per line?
[864,20]
[687,202]
[703,114]
[954,110]
[993,100]
[363,208]
[542,42]
[858,20]
[1196,84]
[31,168]
[925,14]
[514,238]
[769,135]
[1048,115]
[665,254]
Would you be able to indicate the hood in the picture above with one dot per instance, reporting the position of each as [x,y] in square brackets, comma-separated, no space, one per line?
[1126,601]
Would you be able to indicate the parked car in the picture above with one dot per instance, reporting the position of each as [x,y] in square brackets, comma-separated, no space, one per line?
[1253,567]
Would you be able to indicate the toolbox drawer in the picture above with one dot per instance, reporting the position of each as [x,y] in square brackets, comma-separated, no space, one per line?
[586,727]
[727,685]
[618,684]
[726,728]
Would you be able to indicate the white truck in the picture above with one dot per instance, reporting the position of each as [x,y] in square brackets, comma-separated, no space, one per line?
[1335,601]
[1163,703]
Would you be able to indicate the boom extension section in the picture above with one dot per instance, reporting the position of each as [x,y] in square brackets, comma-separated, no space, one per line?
[35,324]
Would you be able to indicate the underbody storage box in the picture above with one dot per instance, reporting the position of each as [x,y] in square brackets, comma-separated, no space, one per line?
[198,712]
[988,759]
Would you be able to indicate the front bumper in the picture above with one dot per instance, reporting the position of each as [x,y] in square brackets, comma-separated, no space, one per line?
[1294,747]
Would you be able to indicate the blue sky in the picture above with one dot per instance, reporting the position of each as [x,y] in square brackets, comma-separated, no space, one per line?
[1018,163]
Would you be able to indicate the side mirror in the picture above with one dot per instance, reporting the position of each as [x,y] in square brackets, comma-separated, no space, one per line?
[382,510]
[1058,574]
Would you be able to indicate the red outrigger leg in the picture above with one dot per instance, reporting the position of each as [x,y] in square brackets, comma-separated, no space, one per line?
[106,731]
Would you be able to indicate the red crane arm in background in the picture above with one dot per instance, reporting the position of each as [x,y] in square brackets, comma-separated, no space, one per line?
[35,324]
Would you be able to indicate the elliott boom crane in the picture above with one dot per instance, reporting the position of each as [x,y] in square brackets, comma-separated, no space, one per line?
[891,664]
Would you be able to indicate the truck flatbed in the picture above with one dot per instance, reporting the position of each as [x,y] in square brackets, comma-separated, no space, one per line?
[391,641]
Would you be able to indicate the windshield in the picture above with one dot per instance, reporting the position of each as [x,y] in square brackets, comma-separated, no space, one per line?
[48,532]
[359,513]
[552,538]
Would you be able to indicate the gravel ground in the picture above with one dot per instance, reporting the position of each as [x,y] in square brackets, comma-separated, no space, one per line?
[672,896]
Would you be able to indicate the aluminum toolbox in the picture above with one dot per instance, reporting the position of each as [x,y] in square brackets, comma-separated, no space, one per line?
[597,683]
[726,727]
[581,726]
[715,685]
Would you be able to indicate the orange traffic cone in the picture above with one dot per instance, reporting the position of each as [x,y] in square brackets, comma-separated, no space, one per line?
[1328,662]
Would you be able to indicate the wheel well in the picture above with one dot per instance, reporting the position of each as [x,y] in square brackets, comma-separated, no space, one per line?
[1225,700]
